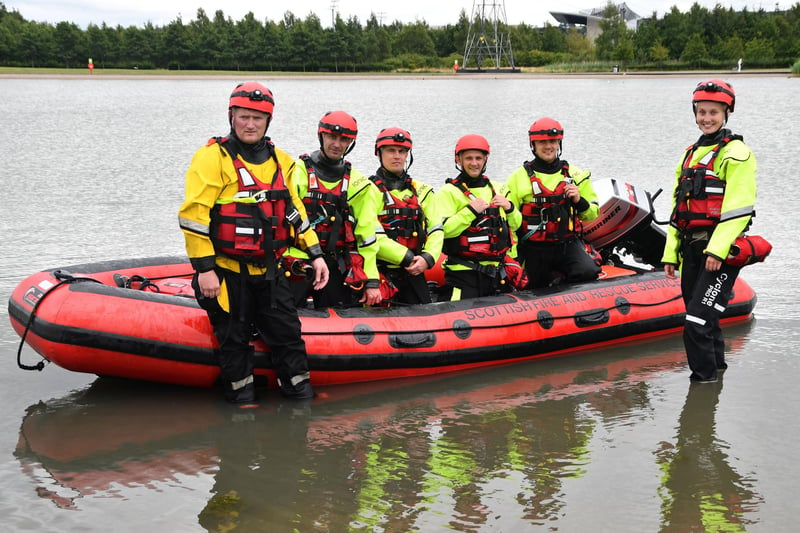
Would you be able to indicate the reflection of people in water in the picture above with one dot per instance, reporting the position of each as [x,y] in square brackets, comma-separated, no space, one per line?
[259,478]
[701,491]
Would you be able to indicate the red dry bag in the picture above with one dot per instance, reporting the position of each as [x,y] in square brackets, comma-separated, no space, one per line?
[748,250]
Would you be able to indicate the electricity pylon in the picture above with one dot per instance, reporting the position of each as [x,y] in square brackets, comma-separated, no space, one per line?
[488,45]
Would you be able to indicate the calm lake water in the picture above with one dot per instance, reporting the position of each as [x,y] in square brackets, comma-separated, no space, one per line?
[612,440]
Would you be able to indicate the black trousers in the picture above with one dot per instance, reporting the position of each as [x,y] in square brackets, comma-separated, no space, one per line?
[410,289]
[546,262]
[267,305]
[706,294]
[461,284]
[334,294]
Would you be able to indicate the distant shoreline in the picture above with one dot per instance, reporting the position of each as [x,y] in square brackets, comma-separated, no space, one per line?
[144,75]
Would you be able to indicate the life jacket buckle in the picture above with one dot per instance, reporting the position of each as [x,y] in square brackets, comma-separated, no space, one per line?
[544,215]
[260,196]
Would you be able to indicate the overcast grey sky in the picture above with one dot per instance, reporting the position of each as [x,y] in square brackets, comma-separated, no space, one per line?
[434,12]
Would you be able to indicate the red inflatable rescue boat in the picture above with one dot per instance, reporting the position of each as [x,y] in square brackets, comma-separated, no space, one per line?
[138,318]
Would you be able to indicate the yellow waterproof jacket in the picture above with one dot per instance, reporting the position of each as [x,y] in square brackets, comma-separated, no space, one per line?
[457,215]
[736,166]
[211,176]
[364,203]
[519,183]
[394,253]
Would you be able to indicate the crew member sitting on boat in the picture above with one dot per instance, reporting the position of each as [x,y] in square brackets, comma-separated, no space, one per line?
[344,213]
[409,219]
[555,198]
[479,221]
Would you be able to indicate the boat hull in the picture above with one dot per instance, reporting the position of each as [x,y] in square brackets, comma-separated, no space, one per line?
[84,322]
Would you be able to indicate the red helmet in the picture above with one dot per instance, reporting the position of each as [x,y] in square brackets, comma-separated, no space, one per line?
[544,129]
[714,91]
[393,137]
[252,95]
[472,142]
[338,123]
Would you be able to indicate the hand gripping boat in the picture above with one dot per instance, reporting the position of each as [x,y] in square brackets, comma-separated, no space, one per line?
[137,318]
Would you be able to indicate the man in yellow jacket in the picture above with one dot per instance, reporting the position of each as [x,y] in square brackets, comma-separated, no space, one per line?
[409,219]
[478,221]
[239,216]
[344,213]
[555,198]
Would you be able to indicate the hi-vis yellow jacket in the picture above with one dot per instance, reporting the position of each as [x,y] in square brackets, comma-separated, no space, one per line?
[736,166]
[393,253]
[364,208]
[211,176]
[519,183]
[457,215]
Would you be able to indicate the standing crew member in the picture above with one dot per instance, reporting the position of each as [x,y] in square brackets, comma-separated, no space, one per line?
[343,210]
[409,219]
[238,217]
[555,199]
[478,221]
[713,203]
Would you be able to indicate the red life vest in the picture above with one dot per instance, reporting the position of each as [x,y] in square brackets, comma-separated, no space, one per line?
[329,211]
[699,194]
[402,220]
[549,217]
[258,219]
[488,238]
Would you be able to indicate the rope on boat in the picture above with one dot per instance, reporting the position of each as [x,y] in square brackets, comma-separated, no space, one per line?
[65,278]
[509,324]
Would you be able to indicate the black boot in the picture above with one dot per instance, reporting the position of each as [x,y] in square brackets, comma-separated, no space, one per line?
[301,391]
[246,394]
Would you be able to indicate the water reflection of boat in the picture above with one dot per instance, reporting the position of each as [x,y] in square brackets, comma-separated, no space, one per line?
[81,319]
[119,434]
[114,435]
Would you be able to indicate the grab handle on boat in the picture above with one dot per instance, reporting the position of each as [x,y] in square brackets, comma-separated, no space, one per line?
[412,340]
[63,275]
[591,317]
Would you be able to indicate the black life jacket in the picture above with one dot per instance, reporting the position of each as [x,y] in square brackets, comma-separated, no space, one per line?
[328,210]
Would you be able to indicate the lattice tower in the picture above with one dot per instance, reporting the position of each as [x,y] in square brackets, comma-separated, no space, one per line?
[488,39]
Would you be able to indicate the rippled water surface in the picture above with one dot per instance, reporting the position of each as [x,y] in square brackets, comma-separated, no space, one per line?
[612,440]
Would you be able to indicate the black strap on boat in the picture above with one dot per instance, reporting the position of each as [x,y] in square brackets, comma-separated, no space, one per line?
[65,278]
[125,282]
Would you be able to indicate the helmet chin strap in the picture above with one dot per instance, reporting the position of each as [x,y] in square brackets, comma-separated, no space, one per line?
[322,149]
[558,154]
[461,169]
[230,121]
[409,162]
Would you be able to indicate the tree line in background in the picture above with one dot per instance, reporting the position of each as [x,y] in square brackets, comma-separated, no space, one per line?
[700,38]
